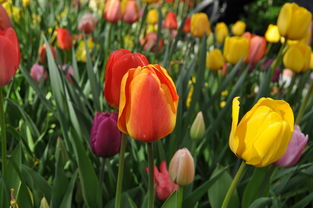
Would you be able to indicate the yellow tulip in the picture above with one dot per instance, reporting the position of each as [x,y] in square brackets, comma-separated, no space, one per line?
[215,60]
[236,48]
[26,3]
[311,61]
[152,16]
[263,134]
[293,21]
[221,32]
[297,58]
[81,50]
[238,28]
[272,34]
[200,25]
[2,1]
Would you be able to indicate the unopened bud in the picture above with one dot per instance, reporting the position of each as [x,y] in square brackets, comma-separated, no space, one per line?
[197,129]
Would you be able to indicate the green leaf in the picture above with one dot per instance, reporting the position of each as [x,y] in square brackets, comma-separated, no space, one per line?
[171,201]
[67,199]
[260,202]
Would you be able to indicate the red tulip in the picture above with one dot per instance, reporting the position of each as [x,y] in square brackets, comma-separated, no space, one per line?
[148,103]
[9,55]
[120,61]
[112,11]
[131,12]
[257,47]
[187,25]
[170,21]
[4,19]
[42,53]
[87,23]
[64,39]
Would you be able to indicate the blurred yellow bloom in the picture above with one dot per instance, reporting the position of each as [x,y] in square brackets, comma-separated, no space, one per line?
[64,13]
[129,41]
[272,34]
[311,62]
[2,1]
[221,32]
[263,134]
[36,19]
[215,60]
[81,50]
[189,97]
[298,57]
[97,6]
[152,28]
[152,16]
[222,104]
[293,21]
[12,11]
[224,93]
[149,1]
[26,3]
[236,48]
[200,25]
[238,28]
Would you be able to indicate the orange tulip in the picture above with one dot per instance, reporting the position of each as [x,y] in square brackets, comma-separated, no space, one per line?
[42,53]
[257,47]
[64,39]
[148,103]
[170,21]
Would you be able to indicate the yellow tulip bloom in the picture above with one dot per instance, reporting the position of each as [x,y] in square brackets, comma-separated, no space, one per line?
[297,58]
[238,28]
[215,60]
[272,34]
[200,25]
[221,32]
[152,17]
[236,48]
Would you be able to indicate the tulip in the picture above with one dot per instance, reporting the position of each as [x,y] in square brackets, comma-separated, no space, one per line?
[293,21]
[81,53]
[64,39]
[164,186]
[257,48]
[272,34]
[38,73]
[200,25]
[105,138]
[298,57]
[149,42]
[311,61]
[149,86]
[131,14]
[26,3]
[119,62]
[221,32]
[238,28]
[10,55]
[69,71]
[236,48]
[197,129]
[215,60]
[170,21]
[152,17]
[87,23]
[294,150]
[263,133]
[42,53]
[182,168]
[286,77]
[187,25]
[112,11]
[5,21]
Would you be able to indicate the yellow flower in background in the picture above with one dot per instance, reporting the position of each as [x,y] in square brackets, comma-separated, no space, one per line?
[149,1]
[81,50]
[129,41]
[238,28]
[263,134]
[224,93]
[215,60]
[221,32]
[97,6]
[200,25]
[190,93]
[298,57]
[2,1]
[123,6]
[36,19]
[293,21]
[152,16]
[13,12]
[152,28]
[236,48]
[311,61]
[26,3]
[222,104]
[272,34]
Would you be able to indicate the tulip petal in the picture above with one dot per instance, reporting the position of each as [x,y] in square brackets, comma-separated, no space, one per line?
[284,18]
[233,139]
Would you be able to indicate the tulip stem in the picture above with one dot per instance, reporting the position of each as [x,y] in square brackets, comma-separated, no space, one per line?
[3,142]
[151,176]
[179,197]
[304,104]
[119,184]
[233,185]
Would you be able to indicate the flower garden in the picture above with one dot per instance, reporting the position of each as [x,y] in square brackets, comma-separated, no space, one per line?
[155,103]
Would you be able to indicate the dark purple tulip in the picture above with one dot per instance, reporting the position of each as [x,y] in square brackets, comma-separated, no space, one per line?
[105,138]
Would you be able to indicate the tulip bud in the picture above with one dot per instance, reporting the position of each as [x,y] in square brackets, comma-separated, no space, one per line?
[152,16]
[37,72]
[182,168]
[215,60]
[170,21]
[112,11]
[294,150]
[64,39]
[87,23]
[238,28]
[187,25]
[272,34]
[236,48]
[5,21]
[44,203]
[197,129]
[105,138]
[221,32]
[257,48]
[293,21]
[42,53]
[200,25]
[26,3]
[131,14]
[298,57]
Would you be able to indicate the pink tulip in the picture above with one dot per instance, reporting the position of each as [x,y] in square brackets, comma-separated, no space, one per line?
[112,11]
[38,73]
[131,12]
[257,47]
[87,23]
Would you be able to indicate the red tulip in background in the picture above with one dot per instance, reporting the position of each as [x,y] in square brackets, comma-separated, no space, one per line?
[112,11]
[4,19]
[87,23]
[164,186]
[119,62]
[64,39]
[187,25]
[257,47]
[170,21]
[10,55]
[42,53]
[131,12]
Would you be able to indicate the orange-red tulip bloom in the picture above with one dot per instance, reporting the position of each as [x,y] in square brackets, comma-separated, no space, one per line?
[170,21]
[112,11]
[4,19]
[120,61]
[64,39]
[187,25]
[257,47]
[42,53]
[148,103]
[9,55]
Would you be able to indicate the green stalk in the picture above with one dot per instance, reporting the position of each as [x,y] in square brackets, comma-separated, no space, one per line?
[233,185]
[151,176]
[304,104]
[119,184]
[179,197]
[3,143]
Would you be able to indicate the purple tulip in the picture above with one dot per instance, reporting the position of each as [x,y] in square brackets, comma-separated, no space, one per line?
[294,150]
[105,138]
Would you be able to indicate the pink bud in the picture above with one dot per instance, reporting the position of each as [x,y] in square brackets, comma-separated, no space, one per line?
[132,12]
[38,73]
[112,11]
[87,23]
